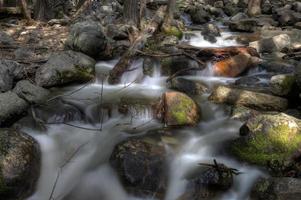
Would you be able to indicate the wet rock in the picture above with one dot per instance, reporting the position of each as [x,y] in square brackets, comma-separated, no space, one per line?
[245,25]
[65,67]
[243,113]
[267,7]
[117,32]
[199,15]
[254,7]
[269,45]
[254,100]
[298,25]
[88,38]
[19,164]
[177,109]
[267,138]
[141,166]
[286,18]
[172,65]
[11,108]
[231,9]
[187,86]
[149,65]
[210,32]
[233,66]
[282,84]
[277,67]
[31,93]
[208,183]
[277,189]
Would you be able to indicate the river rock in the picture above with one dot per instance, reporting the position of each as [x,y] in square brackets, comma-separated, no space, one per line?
[277,189]
[9,71]
[269,45]
[233,66]
[87,37]
[282,84]
[65,67]
[266,138]
[210,32]
[255,100]
[30,92]
[19,164]
[277,67]
[187,86]
[199,15]
[178,109]
[244,25]
[172,65]
[141,166]
[239,16]
[207,183]
[12,107]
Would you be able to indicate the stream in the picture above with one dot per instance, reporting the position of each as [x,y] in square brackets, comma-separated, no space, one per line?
[75,155]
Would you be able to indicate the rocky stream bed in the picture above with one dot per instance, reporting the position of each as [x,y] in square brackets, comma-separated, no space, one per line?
[221,120]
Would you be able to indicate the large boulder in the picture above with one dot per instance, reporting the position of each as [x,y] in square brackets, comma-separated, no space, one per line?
[141,166]
[19,164]
[87,37]
[178,109]
[277,189]
[282,84]
[199,15]
[266,138]
[9,72]
[12,108]
[187,86]
[255,100]
[244,25]
[30,92]
[65,67]
[272,44]
[172,65]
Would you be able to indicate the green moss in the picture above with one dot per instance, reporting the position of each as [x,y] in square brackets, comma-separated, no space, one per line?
[277,144]
[180,111]
[80,74]
[173,31]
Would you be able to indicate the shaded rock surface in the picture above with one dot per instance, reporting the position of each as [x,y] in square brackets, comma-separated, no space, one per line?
[31,93]
[65,67]
[255,100]
[19,164]
[9,72]
[12,107]
[87,37]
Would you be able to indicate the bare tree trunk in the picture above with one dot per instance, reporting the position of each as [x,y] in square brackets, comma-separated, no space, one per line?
[170,11]
[131,12]
[25,10]
[254,7]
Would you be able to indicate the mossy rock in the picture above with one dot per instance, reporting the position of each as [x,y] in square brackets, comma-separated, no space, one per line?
[178,109]
[172,31]
[267,138]
[282,84]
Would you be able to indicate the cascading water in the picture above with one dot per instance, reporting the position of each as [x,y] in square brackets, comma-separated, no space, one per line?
[75,155]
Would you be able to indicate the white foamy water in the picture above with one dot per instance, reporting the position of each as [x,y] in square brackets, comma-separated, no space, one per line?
[75,161]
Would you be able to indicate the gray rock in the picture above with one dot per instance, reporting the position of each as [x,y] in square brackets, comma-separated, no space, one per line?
[11,108]
[188,86]
[199,15]
[140,166]
[277,67]
[277,189]
[171,65]
[250,99]
[273,44]
[245,25]
[65,67]
[9,71]
[30,92]
[87,37]
[20,164]
[210,31]
[282,84]
[239,16]
[5,39]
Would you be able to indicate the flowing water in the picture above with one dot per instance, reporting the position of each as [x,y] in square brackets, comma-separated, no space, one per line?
[75,155]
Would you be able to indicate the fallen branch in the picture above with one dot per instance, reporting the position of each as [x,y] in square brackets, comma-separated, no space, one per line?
[138,43]
[221,168]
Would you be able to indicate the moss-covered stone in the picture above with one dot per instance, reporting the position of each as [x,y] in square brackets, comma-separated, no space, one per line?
[177,109]
[282,84]
[267,138]
[172,31]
